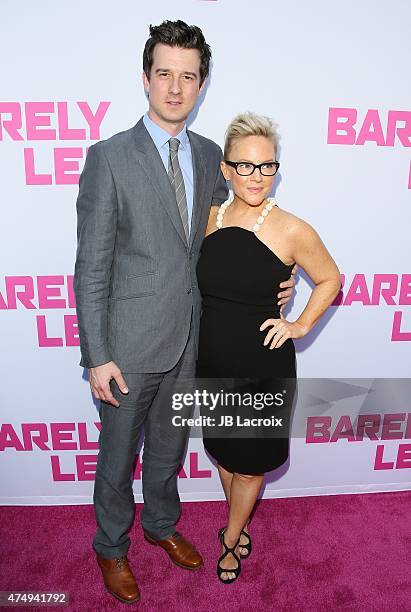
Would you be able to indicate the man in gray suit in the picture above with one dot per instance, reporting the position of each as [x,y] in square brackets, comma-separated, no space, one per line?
[143,204]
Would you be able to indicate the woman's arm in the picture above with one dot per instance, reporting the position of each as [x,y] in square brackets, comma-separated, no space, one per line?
[310,253]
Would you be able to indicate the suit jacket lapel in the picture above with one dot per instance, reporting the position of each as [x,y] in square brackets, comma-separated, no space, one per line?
[199,171]
[151,162]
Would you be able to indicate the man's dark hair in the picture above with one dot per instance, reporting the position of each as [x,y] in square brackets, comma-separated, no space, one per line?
[177,34]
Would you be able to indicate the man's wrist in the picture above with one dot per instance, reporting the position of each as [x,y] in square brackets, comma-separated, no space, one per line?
[95,363]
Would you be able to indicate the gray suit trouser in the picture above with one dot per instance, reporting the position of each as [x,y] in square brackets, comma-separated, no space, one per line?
[148,406]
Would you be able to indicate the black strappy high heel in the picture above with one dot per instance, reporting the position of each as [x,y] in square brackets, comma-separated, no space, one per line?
[248,546]
[227,551]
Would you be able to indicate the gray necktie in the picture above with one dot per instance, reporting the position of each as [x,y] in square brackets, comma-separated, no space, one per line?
[176,178]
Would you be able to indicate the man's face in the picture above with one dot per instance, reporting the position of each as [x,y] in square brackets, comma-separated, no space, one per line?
[174,84]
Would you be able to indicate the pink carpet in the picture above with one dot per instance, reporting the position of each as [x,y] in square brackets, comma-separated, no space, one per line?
[347,552]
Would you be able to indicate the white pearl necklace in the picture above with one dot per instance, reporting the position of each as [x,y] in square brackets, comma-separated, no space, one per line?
[264,213]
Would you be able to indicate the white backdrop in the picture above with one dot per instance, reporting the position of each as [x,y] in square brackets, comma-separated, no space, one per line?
[345,170]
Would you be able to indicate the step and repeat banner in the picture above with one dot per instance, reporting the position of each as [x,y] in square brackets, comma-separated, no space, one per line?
[337,84]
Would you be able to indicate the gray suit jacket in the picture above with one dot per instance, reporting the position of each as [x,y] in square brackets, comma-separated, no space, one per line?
[135,275]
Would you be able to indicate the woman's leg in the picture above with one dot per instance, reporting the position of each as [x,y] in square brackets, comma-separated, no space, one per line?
[243,495]
[226,478]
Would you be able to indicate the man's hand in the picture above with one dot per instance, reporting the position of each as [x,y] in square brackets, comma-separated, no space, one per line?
[284,296]
[100,377]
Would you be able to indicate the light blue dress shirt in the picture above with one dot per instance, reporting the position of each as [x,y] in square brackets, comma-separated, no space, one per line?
[160,138]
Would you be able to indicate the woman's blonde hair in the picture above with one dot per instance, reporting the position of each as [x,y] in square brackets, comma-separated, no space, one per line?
[250,124]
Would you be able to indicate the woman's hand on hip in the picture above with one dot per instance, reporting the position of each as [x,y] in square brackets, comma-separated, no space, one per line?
[281,330]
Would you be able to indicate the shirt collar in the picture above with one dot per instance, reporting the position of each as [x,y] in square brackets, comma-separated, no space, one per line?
[161,137]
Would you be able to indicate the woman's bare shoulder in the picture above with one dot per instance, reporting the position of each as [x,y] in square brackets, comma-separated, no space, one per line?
[291,224]
[212,219]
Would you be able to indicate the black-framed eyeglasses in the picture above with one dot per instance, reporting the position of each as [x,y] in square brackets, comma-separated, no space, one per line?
[247,168]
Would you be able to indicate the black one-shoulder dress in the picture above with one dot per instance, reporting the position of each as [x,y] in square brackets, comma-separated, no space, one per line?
[239,279]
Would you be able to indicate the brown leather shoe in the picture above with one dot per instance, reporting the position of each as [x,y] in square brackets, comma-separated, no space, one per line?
[119,579]
[181,552]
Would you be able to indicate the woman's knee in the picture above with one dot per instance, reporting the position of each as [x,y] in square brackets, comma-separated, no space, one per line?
[249,477]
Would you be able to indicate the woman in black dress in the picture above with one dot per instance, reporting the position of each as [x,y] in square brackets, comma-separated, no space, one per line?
[246,349]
